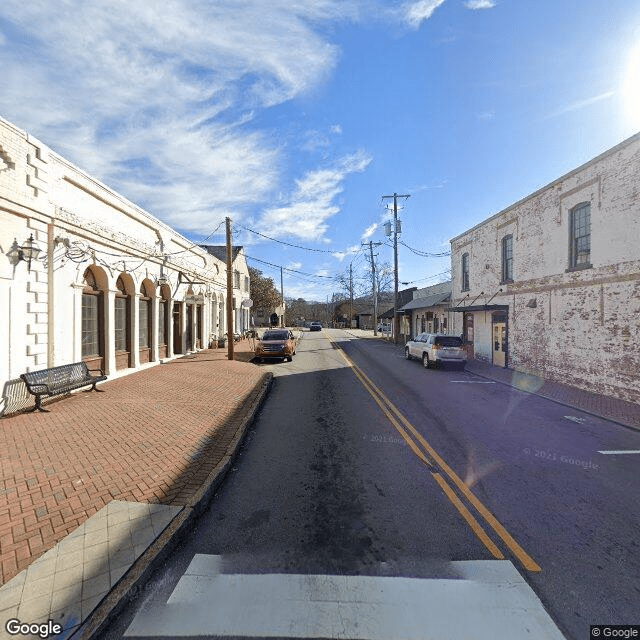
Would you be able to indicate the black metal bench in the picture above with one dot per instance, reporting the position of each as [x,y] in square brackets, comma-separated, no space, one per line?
[62,379]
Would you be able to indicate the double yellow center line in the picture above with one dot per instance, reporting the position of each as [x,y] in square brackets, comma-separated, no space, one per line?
[444,475]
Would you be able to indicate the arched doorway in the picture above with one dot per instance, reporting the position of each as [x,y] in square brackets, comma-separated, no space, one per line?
[145,322]
[122,324]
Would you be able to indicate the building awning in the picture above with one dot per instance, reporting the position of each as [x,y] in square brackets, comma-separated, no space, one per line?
[427,301]
[480,307]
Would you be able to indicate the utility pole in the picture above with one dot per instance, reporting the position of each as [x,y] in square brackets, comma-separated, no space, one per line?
[229,292]
[351,295]
[396,317]
[375,288]
[282,296]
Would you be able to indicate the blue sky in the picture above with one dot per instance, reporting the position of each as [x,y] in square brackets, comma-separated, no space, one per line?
[294,117]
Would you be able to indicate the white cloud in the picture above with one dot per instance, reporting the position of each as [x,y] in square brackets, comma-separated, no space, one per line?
[155,98]
[416,12]
[336,128]
[581,104]
[313,201]
[480,4]
[369,231]
[349,252]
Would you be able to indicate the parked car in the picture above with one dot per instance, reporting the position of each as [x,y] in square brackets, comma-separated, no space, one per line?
[384,326]
[436,349]
[315,326]
[276,343]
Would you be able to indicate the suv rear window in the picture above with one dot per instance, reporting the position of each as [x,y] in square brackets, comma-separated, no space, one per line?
[275,335]
[448,341]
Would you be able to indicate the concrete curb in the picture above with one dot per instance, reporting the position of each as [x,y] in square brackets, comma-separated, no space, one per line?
[133,581]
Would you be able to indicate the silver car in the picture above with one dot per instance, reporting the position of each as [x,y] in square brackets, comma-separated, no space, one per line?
[436,348]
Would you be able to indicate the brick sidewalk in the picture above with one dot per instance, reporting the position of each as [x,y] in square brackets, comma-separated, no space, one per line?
[621,411]
[154,437]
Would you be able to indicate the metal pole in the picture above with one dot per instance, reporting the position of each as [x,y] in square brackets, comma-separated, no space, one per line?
[229,292]
[375,291]
[396,317]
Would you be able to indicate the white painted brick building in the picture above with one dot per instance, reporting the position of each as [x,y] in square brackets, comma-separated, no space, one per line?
[112,284]
[551,284]
[429,309]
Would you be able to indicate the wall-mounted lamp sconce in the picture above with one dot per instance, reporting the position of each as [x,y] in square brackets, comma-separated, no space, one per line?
[160,280]
[28,251]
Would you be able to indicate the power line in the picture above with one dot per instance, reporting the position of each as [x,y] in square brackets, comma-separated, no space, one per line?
[289,244]
[276,266]
[437,275]
[424,254]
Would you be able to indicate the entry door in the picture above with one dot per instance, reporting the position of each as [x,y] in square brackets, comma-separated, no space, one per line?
[189,327]
[177,329]
[500,344]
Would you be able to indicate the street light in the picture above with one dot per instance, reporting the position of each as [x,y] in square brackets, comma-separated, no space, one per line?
[28,251]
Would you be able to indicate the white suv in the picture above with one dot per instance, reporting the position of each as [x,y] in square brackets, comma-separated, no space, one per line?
[436,348]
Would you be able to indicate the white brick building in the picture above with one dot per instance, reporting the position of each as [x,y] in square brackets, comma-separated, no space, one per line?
[112,285]
[551,284]
[429,309]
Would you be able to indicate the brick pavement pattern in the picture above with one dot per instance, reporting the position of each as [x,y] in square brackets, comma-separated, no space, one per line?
[154,437]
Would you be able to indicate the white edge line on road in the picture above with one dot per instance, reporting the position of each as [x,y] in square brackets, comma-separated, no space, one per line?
[471,381]
[617,453]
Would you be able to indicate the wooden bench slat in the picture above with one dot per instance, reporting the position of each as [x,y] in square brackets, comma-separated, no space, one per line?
[60,379]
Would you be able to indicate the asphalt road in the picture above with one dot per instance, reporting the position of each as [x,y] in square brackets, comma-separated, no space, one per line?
[352,470]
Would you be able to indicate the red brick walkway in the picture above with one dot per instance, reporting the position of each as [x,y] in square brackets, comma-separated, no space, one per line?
[154,436]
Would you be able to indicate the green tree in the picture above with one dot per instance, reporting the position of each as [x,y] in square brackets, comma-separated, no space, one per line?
[264,294]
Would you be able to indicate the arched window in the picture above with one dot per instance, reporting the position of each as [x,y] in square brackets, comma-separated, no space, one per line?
[92,331]
[122,323]
[465,272]
[144,323]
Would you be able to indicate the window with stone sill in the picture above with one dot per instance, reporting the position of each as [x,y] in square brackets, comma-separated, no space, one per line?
[580,237]
[507,259]
[465,272]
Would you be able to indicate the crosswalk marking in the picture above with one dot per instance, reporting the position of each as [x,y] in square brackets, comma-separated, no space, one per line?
[481,599]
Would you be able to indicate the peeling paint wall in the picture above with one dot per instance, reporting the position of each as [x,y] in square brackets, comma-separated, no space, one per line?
[580,326]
